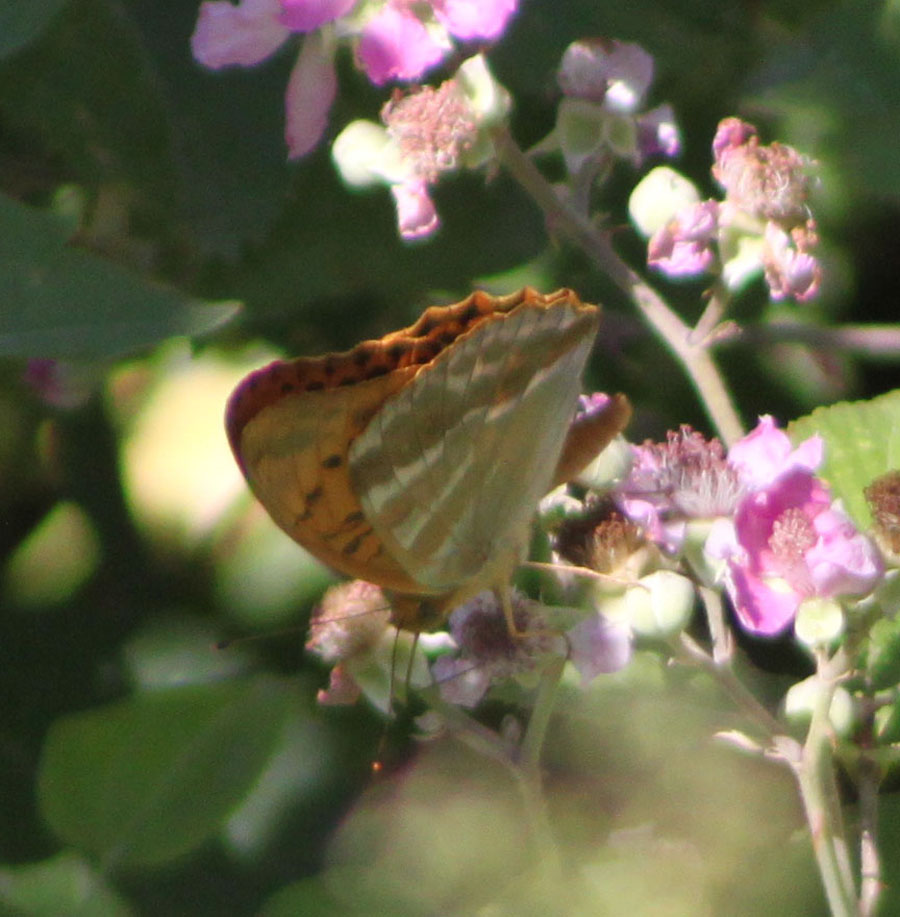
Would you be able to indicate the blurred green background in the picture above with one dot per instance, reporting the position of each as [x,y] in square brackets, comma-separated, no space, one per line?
[144,772]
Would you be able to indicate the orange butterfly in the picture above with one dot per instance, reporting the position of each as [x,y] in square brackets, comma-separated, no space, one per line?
[416,461]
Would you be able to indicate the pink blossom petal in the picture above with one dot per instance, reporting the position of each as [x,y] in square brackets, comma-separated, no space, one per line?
[308,15]
[395,45]
[658,132]
[843,561]
[616,73]
[310,91]
[763,607]
[416,213]
[474,19]
[684,246]
[789,271]
[597,646]
[461,681]
[342,688]
[243,35]
[766,452]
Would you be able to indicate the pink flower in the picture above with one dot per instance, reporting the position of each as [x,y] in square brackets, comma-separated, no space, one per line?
[684,246]
[766,452]
[471,20]
[244,35]
[308,15]
[788,542]
[395,45]
[417,216]
[687,477]
[488,652]
[790,269]
[402,40]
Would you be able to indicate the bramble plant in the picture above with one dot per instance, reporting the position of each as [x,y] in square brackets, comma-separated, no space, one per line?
[701,614]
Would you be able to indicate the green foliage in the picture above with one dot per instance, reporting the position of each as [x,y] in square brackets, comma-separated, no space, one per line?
[862,442]
[147,780]
[67,304]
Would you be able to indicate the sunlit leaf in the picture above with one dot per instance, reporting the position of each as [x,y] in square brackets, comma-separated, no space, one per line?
[862,442]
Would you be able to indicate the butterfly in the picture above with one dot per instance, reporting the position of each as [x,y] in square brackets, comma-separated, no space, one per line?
[416,461]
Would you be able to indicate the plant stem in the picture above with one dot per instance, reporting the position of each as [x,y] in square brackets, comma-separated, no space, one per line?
[693,355]
[814,771]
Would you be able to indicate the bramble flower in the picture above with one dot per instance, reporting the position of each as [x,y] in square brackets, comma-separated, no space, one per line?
[426,133]
[763,224]
[605,84]
[789,541]
[685,478]
[244,35]
[487,651]
[394,40]
[347,626]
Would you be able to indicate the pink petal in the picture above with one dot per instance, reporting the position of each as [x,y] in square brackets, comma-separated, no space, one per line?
[598,646]
[228,35]
[308,15]
[789,272]
[684,246]
[394,45]
[460,681]
[843,561]
[342,688]
[766,452]
[416,213]
[473,19]
[310,91]
[658,132]
[762,608]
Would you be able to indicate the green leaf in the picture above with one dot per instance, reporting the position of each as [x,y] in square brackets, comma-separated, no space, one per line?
[862,442]
[64,303]
[22,21]
[310,897]
[64,884]
[883,654]
[149,779]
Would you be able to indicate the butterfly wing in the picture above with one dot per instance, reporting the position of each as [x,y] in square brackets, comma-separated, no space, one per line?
[451,468]
[290,434]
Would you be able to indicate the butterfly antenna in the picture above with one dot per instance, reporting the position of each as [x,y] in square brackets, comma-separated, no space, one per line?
[377,764]
[230,642]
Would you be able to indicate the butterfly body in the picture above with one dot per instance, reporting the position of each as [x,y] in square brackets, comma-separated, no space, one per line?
[416,462]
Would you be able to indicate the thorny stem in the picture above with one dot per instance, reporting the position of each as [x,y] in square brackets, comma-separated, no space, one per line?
[868,341]
[693,355]
[814,770]
[869,861]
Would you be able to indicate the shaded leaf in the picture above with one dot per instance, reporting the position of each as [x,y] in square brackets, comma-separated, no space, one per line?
[22,21]
[64,884]
[146,780]
[64,303]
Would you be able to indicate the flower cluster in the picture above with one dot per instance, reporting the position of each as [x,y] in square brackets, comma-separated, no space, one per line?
[393,40]
[601,116]
[424,134]
[775,535]
[763,223]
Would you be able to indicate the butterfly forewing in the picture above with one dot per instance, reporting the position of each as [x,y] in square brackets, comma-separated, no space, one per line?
[452,471]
